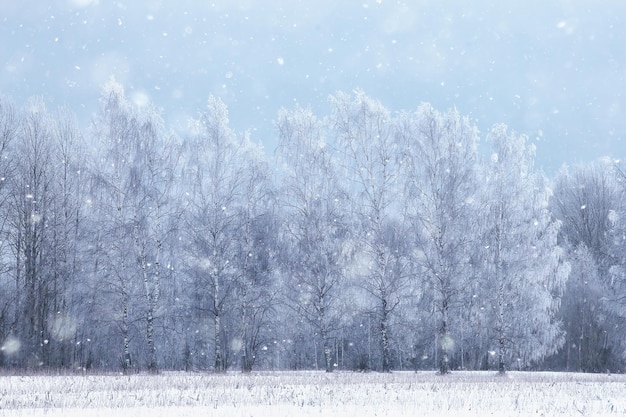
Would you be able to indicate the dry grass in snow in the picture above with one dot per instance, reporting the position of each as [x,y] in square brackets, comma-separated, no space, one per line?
[315,394]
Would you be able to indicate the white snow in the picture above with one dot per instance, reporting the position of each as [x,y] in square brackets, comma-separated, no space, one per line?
[315,394]
[10,346]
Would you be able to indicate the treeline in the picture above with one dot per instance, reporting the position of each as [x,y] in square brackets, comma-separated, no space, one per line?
[365,241]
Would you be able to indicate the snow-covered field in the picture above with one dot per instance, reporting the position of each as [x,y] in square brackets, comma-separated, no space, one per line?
[315,394]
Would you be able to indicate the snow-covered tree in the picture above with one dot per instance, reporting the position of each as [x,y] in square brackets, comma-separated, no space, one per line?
[256,290]
[588,202]
[584,199]
[134,216]
[614,273]
[587,347]
[439,158]
[314,233]
[40,200]
[155,218]
[114,186]
[9,128]
[371,159]
[32,202]
[524,273]
[66,221]
[371,240]
[217,175]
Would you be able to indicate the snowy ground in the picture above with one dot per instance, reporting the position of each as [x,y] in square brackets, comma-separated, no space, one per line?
[315,394]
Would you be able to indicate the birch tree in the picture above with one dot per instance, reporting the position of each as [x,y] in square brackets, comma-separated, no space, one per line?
[614,300]
[315,227]
[524,272]
[256,289]
[66,223]
[155,217]
[584,198]
[440,182]
[42,201]
[9,129]
[32,197]
[114,187]
[366,135]
[138,214]
[587,347]
[588,203]
[215,175]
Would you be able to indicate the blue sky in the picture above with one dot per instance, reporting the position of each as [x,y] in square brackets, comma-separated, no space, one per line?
[552,70]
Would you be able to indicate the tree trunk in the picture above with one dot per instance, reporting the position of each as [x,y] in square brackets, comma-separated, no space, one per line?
[152,296]
[246,356]
[500,331]
[126,364]
[445,340]
[501,295]
[219,359]
[384,336]
[152,364]
[501,364]
[328,354]
[323,329]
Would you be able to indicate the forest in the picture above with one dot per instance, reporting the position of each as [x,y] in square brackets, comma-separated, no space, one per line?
[367,240]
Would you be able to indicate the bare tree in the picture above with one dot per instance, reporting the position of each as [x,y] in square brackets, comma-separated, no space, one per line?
[31,208]
[9,129]
[66,223]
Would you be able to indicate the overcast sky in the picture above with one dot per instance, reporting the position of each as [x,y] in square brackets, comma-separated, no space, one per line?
[554,70]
